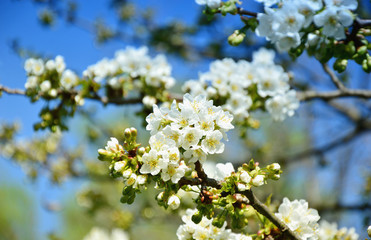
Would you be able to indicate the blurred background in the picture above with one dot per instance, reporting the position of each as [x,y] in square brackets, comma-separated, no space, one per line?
[53,186]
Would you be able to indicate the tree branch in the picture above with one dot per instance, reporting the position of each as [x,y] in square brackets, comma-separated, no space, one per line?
[12,91]
[342,207]
[242,11]
[333,77]
[204,180]
[264,210]
[342,90]
[310,95]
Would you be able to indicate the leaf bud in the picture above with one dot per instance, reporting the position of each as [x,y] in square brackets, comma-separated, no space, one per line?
[340,65]
[350,49]
[362,50]
[197,217]
[218,221]
[365,66]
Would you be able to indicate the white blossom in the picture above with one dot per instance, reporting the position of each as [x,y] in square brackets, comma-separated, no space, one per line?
[299,218]
[113,145]
[209,3]
[330,231]
[333,21]
[69,79]
[212,142]
[149,101]
[45,86]
[97,233]
[153,163]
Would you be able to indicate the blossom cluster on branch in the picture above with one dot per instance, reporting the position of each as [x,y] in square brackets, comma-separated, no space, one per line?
[285,26]
[241,87]
[132,73]
[326,29]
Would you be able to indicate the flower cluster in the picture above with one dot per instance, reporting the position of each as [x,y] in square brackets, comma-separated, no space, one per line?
[184,134]
[97,233]
[330,231]
[299,218]
[49,77]
[205,229]
[285,26]
[242,86]
[248,175]
[181,135]
[125,163]
[133,68]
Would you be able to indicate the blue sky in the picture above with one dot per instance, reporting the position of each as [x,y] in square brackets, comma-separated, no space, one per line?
[18,20]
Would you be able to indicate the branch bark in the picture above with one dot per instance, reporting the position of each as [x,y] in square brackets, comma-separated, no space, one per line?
[329,95]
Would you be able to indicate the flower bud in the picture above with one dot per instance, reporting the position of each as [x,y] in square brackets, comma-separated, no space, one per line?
[245,177]
[127,173]
[242,187]
[119,166]
[160,196]
[134,132]
[258,180]
[236,38]
[141,151]
[276,166]
[127,134]
[104,155]
[369,231]
[276,177]
[173,202]
[53,92]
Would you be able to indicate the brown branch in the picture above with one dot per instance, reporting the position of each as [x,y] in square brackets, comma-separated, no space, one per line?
[310,95]
[105,100]
[242,11]
[204,180]
[342,90]
[341,207]
[12,91]
[325,148]
[333,77]
[264,210]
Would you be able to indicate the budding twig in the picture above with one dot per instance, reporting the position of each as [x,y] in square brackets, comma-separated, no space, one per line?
[204,180]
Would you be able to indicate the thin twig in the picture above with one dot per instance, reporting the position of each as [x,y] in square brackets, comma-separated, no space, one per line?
[203,180]
[242,11]
[325,148]
[333,77]
[264,210]
[12,91]
[329,95]
[342,207]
